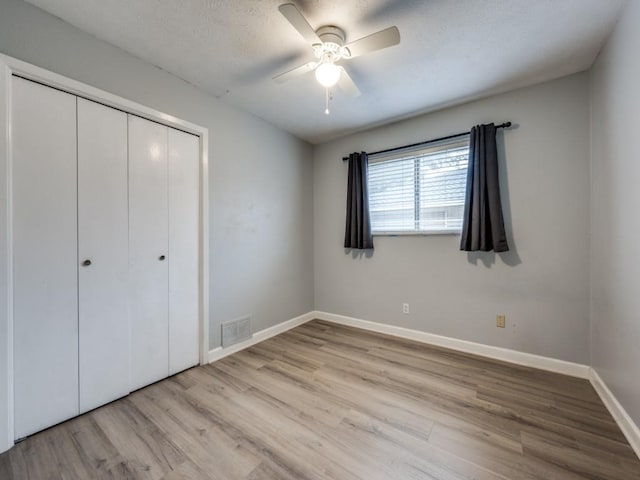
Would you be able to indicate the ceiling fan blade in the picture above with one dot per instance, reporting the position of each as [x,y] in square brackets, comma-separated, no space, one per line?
[302,69]
[347,84]
[376,41]
[297,20]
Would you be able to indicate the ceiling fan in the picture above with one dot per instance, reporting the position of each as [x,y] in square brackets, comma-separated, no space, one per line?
[329,48]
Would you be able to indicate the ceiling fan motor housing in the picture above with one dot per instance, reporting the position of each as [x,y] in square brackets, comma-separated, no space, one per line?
[331,34]
[331,49]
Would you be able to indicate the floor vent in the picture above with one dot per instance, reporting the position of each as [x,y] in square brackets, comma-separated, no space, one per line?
[236,331]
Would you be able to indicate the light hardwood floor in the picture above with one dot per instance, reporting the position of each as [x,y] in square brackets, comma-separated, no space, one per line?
[324,401]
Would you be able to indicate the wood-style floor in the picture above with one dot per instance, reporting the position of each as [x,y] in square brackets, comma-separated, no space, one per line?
[329,402]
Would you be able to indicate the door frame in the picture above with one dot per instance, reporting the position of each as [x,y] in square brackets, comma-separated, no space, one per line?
[10,66]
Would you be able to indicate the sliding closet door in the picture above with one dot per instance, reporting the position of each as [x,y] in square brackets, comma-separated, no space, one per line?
[103,256]
[148,251]
[45,256]
[184,195]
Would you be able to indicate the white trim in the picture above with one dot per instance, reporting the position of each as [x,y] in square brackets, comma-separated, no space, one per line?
[218,353]
[205,268]
[37,74]
[6,263]
[629,428]
[622,418]
[620,415]
[489,351]
[11,66]
[413,233]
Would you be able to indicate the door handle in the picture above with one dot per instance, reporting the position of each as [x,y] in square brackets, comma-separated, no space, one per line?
[161,257]
[86,263]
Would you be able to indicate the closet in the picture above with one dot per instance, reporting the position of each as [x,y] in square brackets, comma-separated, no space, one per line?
[163,250]
[105,209]
[103,325]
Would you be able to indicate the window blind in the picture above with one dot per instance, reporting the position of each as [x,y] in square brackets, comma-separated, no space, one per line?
[419,191]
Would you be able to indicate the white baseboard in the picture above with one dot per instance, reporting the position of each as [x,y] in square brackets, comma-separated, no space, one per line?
[622,418]
[620,415]
[220,352]
[497,353]
[629,428]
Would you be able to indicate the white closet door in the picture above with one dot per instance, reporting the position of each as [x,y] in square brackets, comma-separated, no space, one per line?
[45,256]
[184,195]
[103,254]
[148,251]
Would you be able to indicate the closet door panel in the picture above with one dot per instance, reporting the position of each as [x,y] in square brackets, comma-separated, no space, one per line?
[148,243]
[184,196]
[45,256]
[102,241]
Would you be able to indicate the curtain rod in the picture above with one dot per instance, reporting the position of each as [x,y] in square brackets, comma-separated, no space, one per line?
[502,125]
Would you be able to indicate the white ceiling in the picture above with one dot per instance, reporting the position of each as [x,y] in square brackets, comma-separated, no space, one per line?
[451,50]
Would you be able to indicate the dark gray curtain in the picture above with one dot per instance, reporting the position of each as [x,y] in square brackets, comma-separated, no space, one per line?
[358,229]
[483,223]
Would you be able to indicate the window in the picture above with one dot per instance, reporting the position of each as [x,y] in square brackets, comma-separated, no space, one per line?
[419,191]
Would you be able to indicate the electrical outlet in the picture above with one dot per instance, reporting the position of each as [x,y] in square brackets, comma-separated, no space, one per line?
[501,321]
[405,308]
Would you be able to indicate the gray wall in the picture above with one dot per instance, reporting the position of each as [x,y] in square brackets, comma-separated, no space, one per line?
[542,285]
[615,261]
[260,177]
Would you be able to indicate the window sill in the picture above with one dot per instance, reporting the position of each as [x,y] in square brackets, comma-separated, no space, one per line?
[421,233]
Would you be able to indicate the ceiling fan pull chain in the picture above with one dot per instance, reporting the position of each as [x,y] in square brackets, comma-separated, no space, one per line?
[326,101]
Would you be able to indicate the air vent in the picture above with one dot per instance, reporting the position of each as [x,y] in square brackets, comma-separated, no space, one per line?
[236,331]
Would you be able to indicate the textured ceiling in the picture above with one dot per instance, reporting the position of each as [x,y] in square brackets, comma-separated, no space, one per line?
[451,50]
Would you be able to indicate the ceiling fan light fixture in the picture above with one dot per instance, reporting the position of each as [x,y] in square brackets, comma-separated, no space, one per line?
[328,74]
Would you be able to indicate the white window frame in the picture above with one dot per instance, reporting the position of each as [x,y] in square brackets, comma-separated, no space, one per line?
[414,152]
